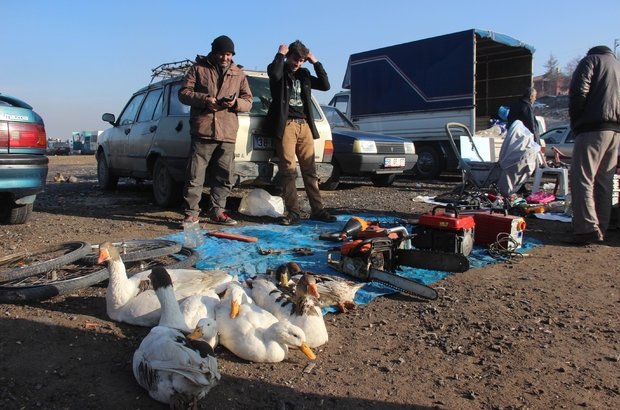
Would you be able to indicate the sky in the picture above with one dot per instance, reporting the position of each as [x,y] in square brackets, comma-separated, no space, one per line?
[75,60]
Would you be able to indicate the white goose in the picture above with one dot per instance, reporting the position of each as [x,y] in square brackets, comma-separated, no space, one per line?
[252,333]
[131,301]
[303,311]
[175,368]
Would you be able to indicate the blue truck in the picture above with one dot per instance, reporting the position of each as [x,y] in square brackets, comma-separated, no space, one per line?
[412,90]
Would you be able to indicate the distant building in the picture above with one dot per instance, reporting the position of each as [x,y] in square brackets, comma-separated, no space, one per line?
[556,85]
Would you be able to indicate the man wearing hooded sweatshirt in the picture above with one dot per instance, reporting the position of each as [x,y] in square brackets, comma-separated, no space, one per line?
[594,111]
[216,89]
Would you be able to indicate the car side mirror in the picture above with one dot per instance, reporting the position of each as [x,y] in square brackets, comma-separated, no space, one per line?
[107,117]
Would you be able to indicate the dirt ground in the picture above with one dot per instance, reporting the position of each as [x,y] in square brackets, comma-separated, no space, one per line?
[542,334]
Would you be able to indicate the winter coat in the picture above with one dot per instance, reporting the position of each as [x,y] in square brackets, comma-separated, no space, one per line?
[280,84]
[200,83]
[522,110]
[594,93]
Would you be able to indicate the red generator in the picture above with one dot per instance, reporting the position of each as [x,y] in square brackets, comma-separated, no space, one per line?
[496,226]
[445,231]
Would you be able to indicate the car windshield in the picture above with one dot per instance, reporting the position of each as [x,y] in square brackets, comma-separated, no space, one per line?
[336,118]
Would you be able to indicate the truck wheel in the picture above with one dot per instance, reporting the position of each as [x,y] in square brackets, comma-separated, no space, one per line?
[166,190]
[383,180]
[428,165]
[13,214]
[332,183]
[107,180]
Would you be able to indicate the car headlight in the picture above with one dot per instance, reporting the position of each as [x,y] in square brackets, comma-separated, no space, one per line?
[364,147]
[409,148]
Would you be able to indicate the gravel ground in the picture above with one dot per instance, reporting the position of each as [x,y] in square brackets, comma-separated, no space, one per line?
[541,334]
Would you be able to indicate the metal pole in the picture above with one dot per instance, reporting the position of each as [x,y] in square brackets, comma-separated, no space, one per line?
[616,43]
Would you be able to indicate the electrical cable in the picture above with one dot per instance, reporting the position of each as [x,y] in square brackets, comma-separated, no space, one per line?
[505,248]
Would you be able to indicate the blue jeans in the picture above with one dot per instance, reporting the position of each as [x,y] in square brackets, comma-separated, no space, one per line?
[219,158]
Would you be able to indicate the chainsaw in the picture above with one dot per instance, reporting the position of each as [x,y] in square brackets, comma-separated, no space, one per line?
[376,253]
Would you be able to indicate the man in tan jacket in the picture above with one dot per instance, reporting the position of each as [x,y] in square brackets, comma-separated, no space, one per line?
[216,89]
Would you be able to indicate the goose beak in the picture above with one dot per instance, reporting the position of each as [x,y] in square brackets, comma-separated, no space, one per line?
[312,290]
[103,255]
[234,309]
[196,334]
[307,351]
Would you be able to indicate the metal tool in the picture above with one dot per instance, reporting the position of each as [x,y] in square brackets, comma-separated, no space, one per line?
[297,251]
[377,259]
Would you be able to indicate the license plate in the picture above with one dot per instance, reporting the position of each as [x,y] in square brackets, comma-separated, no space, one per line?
[393,162]
[264,143]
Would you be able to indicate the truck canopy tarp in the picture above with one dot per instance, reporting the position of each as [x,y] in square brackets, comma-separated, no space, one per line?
[437,73]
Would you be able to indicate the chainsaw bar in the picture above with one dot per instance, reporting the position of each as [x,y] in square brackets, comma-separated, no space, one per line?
[401,284]
[432,260]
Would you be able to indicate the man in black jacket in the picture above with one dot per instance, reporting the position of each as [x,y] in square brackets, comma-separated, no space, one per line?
[523,110]
[291,122]
[594,110]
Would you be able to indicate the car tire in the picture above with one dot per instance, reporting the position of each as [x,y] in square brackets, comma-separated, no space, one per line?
[14,214]
[332,182]
[167,191]
[107,179]
[428,165]
[383,180]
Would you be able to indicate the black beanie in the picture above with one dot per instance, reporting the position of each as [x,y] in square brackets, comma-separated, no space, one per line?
[223,44]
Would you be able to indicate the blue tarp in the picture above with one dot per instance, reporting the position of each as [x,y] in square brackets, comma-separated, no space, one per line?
[244,260]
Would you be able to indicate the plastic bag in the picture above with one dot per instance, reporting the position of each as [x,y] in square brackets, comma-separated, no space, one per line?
[260,203]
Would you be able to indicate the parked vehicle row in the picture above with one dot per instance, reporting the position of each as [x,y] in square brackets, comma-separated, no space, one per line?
[150,141]
[58,148]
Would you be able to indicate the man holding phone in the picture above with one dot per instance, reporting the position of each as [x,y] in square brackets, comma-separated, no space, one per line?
[291,122]
[216,89]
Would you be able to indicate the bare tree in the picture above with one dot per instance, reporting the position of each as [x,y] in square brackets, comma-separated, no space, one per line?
[570,67]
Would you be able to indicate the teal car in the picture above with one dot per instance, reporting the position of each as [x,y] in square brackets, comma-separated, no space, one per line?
[23,160]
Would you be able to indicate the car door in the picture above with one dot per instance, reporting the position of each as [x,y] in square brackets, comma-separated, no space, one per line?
[142,132]
[118,149]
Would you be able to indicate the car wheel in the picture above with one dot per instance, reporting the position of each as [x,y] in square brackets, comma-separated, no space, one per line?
[14,214]
[107,179]
[428,165]
[166,190]
[383,180]
[332,183]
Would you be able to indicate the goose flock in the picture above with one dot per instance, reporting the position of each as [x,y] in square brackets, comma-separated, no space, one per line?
[191,311]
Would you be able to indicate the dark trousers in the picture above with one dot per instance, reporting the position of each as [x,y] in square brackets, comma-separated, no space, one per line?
[219,158]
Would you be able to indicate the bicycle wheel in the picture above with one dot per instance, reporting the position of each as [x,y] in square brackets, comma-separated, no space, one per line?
[76,276]
[184,259]
[28,263]
[136,250]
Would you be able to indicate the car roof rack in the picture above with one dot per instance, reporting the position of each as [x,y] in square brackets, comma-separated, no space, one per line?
[169,70]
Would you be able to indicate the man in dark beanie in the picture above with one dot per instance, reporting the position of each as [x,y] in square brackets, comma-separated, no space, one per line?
[216,89]
[594,110]
[291,122]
